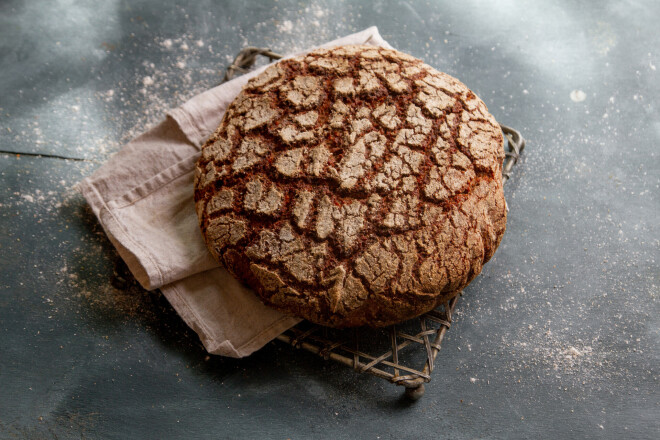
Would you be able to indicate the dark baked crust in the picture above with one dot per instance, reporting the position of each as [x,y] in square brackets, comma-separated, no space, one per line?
[352,186]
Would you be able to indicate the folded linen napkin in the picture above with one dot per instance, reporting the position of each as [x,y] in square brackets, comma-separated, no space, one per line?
[143,198]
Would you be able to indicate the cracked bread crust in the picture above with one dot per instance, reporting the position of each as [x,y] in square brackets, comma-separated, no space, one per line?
[353,186]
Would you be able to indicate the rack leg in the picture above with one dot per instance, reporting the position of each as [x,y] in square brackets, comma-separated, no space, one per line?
[415,393]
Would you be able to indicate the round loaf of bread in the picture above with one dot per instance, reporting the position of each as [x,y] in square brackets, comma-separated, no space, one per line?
[353,186]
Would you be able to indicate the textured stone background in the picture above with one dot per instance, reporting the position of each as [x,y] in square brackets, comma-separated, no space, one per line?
[558,337]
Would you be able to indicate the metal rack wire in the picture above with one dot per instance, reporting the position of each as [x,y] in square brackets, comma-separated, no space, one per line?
[389,352]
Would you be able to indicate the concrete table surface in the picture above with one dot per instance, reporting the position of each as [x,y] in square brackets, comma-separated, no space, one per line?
[557,338]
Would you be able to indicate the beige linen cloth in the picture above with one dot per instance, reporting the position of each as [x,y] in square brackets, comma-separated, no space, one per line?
[143,198]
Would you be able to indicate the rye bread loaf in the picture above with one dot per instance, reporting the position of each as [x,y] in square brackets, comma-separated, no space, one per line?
[354,185]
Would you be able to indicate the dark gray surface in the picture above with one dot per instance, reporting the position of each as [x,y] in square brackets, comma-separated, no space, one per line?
[559,336]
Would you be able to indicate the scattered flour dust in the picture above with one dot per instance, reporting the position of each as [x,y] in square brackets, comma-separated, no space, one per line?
[310,26]
[185,66]
[285,26]
[541,341]
[46,202]
[177,69]
[555,354]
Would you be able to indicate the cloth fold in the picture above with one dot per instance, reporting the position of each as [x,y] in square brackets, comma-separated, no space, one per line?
[143,198]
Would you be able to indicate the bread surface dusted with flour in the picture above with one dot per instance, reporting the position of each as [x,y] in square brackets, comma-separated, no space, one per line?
[353,186]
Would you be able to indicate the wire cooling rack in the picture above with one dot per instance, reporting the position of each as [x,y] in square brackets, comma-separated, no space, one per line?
[389,352]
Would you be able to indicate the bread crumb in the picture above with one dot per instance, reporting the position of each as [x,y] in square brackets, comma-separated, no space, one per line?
[578,96]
